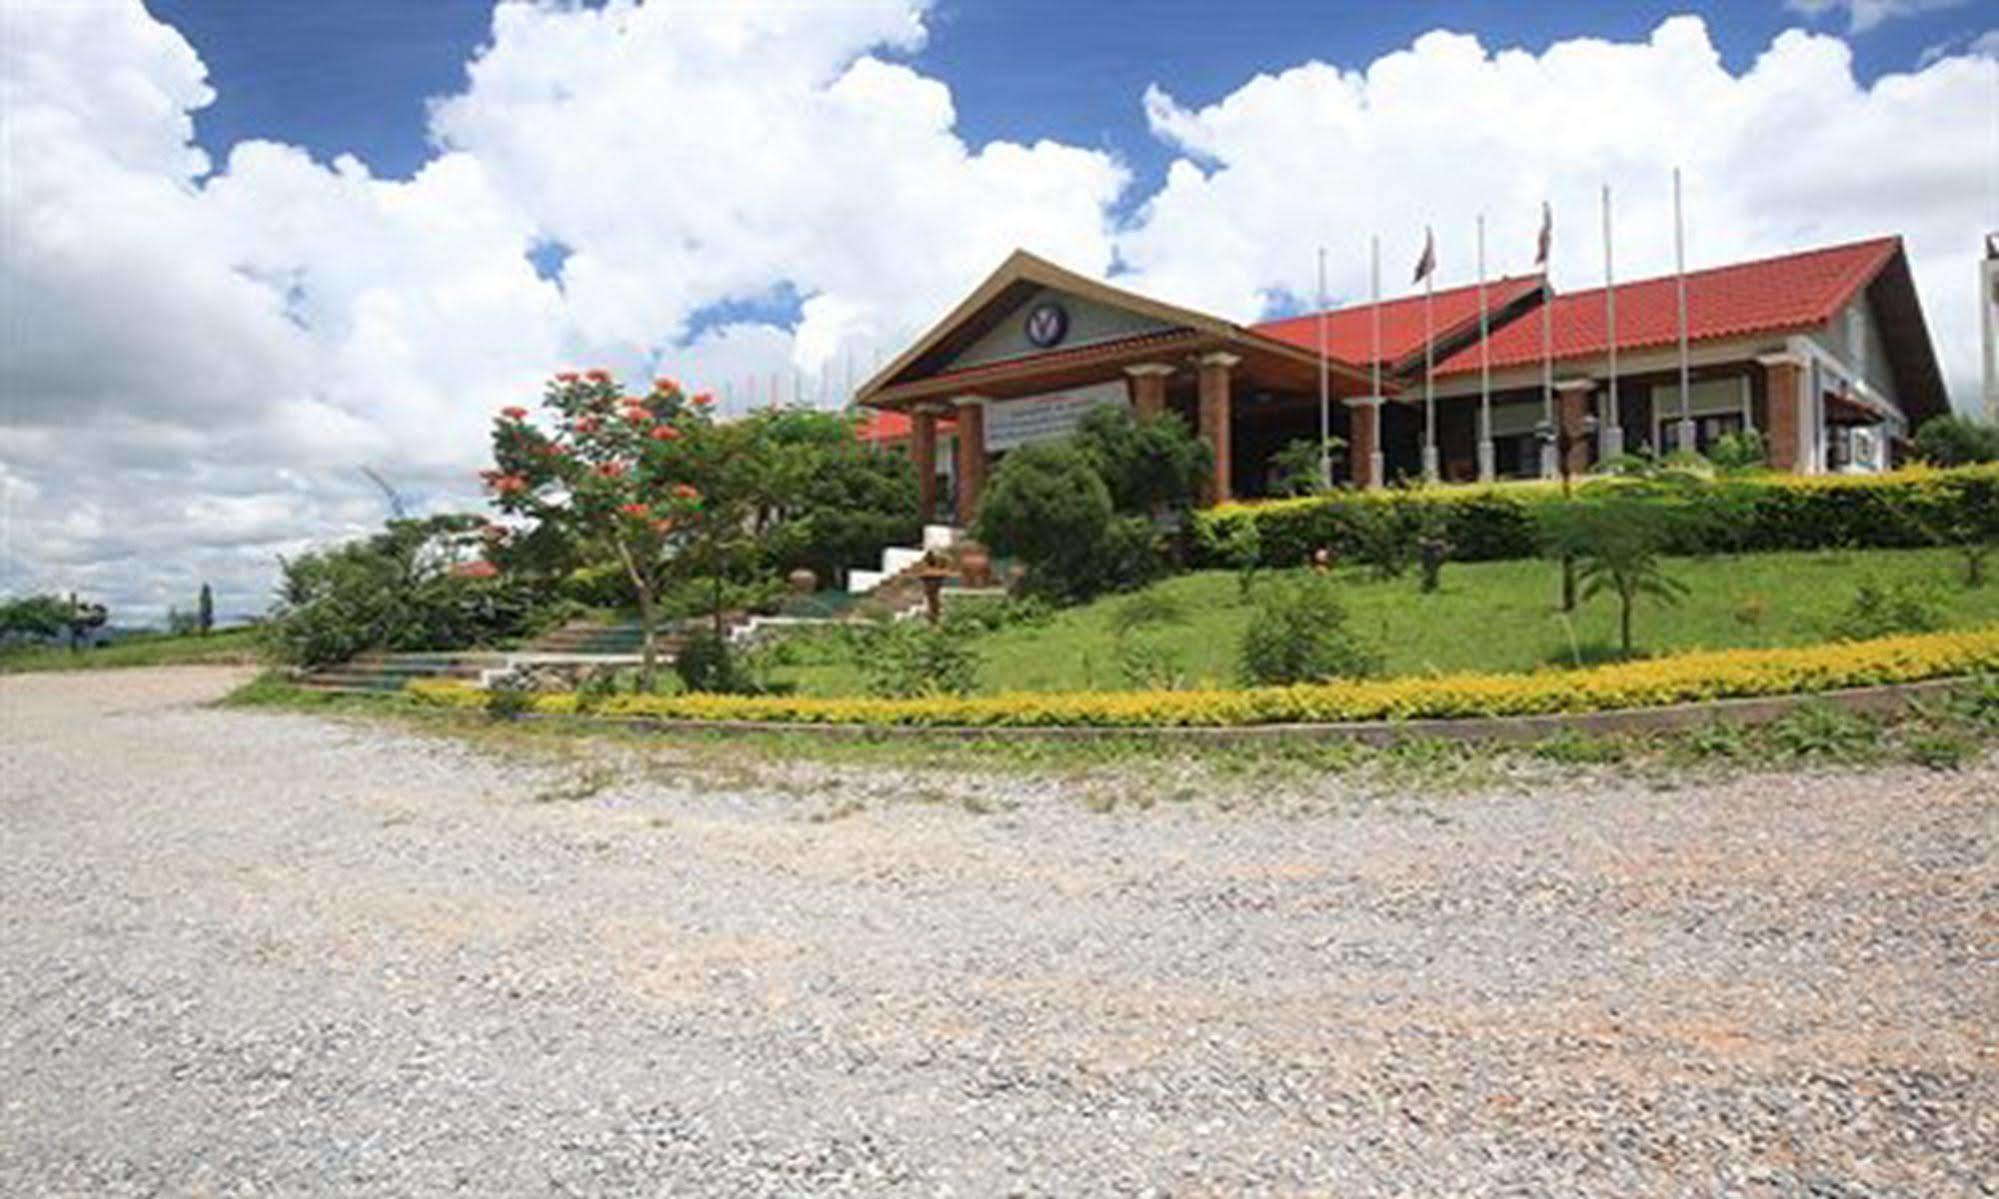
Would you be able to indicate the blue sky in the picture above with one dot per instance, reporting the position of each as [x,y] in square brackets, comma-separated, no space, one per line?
[746,193]
[353,76]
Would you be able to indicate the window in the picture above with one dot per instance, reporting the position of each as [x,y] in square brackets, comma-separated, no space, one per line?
[1707,431]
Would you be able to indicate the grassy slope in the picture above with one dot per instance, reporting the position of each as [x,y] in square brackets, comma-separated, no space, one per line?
[230,646]
[1487,616]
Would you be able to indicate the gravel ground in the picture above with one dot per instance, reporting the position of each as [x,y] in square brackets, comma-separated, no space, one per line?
[256,952]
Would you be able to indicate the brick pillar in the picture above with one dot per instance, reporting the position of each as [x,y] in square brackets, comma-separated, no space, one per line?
[1571,406]
[1215,419]
[1784,395]
[971,458]
[923,451]
[1364,441]
[1148,388]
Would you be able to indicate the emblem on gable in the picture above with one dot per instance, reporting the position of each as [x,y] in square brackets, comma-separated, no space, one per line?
[1047,324]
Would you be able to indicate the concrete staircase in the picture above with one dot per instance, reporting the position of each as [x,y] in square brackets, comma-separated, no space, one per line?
[898,561]
[376,674]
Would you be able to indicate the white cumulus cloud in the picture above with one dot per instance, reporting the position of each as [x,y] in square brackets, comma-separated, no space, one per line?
[199,356]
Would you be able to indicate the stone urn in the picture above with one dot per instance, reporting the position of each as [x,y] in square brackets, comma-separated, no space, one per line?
[803,581]
[976,565]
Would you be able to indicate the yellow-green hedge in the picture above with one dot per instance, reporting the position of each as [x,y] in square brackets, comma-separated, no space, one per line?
[1484,522]
[1688,678]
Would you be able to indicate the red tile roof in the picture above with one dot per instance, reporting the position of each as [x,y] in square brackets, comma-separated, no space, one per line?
[1350,330]
[882,426]
[1789,292]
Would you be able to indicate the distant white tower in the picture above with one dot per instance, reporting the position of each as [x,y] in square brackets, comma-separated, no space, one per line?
[1988,297]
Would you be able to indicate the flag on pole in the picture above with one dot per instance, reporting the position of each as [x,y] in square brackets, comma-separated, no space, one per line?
[1550,449]
[1426,268]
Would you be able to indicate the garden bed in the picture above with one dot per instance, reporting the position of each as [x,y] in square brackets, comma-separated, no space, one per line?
[1665,683]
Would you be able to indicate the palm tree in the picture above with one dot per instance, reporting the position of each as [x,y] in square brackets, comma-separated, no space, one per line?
[1618,542]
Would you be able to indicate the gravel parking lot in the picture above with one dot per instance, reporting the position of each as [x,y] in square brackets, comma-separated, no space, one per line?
[257,952]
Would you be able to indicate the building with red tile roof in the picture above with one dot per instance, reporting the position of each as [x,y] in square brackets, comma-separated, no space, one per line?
[1824,354]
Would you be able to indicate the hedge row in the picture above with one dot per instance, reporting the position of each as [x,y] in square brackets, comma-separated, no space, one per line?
[1765,512]
[1687,678]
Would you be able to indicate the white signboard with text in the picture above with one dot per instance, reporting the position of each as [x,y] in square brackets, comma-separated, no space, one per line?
[1049,417]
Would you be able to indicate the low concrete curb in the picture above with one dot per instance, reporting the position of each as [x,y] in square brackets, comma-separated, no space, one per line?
[1622,721]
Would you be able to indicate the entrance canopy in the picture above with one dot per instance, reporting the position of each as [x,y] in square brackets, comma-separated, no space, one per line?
[1033,328]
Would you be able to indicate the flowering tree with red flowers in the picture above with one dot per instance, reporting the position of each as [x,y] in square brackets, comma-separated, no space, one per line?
[652,481]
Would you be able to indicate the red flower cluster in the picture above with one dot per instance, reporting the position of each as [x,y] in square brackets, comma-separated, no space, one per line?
[665,384]
[514,412]
[665,433]
[505,484]
[703,399]
[597,374]
[662,526]
[638,415]
[638,510]
[475,570]
[612,470]
[685,491]
[566,376]
[588,424]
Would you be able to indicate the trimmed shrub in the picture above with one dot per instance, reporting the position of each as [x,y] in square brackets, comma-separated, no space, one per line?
[1751,513]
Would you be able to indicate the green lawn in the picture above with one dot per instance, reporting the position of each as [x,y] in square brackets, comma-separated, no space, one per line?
[1488,616]
[140,649]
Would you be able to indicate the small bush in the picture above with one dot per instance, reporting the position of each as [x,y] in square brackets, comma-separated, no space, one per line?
[508,697]
[911,659]
[989,614]
[1940,749]
[1299,635]
[1580,749]
[1882,609]
[1821,730]
[706,664]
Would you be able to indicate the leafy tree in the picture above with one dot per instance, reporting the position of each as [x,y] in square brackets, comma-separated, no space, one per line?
[1957,441]
[652,482]
[204,611]
[1047,507]
[1300,465]
[827,501]
[417,585]
[1149,464]
[1617,536]
[1300,635]
[34,616]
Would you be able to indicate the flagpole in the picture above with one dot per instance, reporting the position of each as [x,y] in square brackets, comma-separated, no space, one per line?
[1377,460]
[1611,444]
[1550,451]
[1429,377]
[1686,437]
[1374,274]
[1485,464]
[1325,388]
